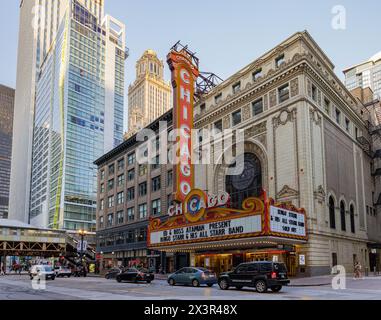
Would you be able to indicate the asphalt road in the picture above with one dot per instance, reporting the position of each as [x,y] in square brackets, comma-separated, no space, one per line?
[17,287]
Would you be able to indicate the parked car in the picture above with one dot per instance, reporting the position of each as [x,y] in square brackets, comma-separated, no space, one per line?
[62,272]
[135,275]
[112,273]
[260,275]
[42,271]
[193,276]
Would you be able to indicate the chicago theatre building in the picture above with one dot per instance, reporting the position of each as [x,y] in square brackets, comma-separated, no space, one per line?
[305,144]
[304,187]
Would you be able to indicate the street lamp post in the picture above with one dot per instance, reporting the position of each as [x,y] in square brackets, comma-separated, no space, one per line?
[82,233]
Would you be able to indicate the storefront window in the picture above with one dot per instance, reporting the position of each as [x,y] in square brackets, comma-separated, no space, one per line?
[247,184]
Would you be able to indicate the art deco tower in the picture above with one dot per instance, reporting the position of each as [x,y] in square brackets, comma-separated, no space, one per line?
[149,96]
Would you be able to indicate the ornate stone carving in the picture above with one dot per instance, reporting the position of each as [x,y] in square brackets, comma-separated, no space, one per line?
[315,117]
[319,97]
[296,57]
[255,130]
[220,170]
[320,193]
[262,139]
[265,102]
[271,72]
[309,88]
[272,98]
[294,87]
[287,192]
[284,116]
[226,122]
[246,112]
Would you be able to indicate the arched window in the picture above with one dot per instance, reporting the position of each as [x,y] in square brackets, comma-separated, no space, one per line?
[246,184]
[342,215]
[352,215]
[332,220]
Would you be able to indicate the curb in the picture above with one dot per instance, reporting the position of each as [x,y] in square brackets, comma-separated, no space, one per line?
[309,285]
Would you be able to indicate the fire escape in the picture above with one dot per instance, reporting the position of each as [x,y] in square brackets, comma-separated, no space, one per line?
[371,144]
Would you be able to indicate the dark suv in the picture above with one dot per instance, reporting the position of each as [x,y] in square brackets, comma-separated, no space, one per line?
[260,275]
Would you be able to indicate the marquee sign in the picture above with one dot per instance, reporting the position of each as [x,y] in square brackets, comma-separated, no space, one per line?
[237,227]
[184,75]
[200,219]
[196,203]
[287,222]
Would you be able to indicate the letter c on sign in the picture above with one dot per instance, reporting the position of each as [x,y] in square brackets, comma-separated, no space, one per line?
[184,74]
[171,210]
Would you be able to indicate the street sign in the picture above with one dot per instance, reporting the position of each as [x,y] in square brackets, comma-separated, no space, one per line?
[80,246]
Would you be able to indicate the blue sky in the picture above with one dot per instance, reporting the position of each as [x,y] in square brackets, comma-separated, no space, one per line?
[227,35]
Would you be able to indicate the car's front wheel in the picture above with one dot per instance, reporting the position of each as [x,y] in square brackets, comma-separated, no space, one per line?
[261,286]
[148,281]
[276,288]
[224,285]
[119,279]
[53,277]
[171,282]
[195,283]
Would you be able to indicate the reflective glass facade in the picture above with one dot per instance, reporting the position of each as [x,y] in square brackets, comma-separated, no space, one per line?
[71,123]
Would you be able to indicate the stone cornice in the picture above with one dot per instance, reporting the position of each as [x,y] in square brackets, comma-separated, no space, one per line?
[297,65]
[303,36]
[342,99]
[292,68]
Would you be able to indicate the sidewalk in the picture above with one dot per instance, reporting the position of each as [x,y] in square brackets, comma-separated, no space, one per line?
[311,281]
[322,280]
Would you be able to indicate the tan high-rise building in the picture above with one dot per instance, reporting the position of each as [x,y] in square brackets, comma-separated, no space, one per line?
[150,95]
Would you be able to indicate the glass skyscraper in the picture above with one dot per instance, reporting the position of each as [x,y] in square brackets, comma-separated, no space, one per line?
[78,116]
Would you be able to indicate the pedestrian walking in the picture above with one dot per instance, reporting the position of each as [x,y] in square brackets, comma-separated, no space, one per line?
[357,270]
[2,270]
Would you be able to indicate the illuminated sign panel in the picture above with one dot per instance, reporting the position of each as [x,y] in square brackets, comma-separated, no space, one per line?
[287,222]
[204,217]
[184,75]
[209,231]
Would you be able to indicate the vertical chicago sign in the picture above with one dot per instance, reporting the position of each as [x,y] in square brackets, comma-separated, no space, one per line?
[184,68]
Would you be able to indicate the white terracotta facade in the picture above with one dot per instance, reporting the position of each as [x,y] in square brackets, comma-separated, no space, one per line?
[308,148]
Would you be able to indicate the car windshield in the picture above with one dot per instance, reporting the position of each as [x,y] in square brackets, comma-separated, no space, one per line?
[204,270]
[280,267]
[47,268]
